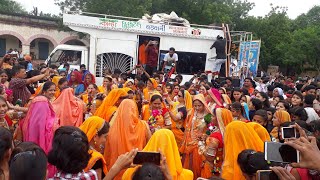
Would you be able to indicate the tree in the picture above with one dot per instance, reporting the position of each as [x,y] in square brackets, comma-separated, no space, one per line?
[11,6]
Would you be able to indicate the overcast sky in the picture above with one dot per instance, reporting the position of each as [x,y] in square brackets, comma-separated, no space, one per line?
[295,7]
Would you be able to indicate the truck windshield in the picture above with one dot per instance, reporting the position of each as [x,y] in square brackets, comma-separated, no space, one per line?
[66,56]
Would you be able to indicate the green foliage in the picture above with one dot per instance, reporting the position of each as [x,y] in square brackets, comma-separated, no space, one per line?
[11,6]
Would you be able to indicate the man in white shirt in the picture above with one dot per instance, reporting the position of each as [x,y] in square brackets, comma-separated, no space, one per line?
[170,60]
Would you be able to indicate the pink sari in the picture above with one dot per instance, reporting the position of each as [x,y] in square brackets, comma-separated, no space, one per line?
[37,126]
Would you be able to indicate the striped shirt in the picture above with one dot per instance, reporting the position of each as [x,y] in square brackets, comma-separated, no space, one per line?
[20,90]
[90,175]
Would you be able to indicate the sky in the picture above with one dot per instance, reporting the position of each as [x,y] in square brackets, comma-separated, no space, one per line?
[262,7]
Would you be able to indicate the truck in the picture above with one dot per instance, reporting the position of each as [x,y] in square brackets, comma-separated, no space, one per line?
[115,42]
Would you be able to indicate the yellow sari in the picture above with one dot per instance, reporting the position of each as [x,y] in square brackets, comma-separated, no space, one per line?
[108,108]
[238,137]
[146,93]
[283,116]
[55,80]
[164,140]
[91,127]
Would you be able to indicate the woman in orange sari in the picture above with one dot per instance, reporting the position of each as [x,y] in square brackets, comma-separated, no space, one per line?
[126,133]
[178,113]
[195,133]
[110,104]
[150,89]
[279,117]
[69,109]
[55,80]
[96,130]
[164,141]
[261,131]
[238,137]
[156,114]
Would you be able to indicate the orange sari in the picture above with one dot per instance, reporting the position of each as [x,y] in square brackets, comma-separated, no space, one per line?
[55,80]
[146,93]
[238,137]
[126,133]
[176,126]
[195,128]
[283,116]
[91,127]
[108,108]
[261,131]
[69,110]
[164,140]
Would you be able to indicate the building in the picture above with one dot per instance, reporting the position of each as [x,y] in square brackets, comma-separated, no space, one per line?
[34,35]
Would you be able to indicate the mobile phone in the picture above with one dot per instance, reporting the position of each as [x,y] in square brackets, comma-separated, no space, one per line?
[147,157]
[288,132]
[279,152]
[266,175]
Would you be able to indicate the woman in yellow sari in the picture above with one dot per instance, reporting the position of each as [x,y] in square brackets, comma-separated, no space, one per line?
[110,104]
[195,133]
[55,80]
[164,141]
[126,133]
[238,137]
[96,130]
[279,117]
[261,131]
[178,113]
[107,85]
[150,89]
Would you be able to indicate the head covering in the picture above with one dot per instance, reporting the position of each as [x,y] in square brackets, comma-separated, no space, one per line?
[126,83]
[107,108]
[68,109]
[201,98]
[164,140]
[92,126]
[219,137]
[245,110]
[126,133]
[280,91]
[187,100]
[238,137]
[77,76]
[224,117]
[154,83]
[226,99]
[38,124]
[216,96]
[55,80]
[93,79]
[261,131]
[27,57]
[282,116]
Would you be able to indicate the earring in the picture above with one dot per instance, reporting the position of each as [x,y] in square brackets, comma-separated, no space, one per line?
[95,143]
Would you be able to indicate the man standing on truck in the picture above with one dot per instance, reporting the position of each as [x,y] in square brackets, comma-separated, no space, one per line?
[152,52]
[170,61]
[220,45]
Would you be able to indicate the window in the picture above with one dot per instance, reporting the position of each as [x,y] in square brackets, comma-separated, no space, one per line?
[66,56]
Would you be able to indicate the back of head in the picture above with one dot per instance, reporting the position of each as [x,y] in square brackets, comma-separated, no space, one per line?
[309,98]
[69,151]
[29,162]
[148,172]
[251,161]
[5,143]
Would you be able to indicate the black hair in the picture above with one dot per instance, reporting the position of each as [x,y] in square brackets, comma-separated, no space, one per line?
[271,109]
[251,161]
[104,129]
[53,66]
[309,98]
[47,86]
[314,126]
[266,102]
[62,80]
[299,94]
[29,162]
[16,69]
[155,97]
[256,103]
[156,76]
[94,86]
[148,172]
[300,112]
[182,92]
[5,144]
[237,106]
[69,151]
[180,77]
[263,113]
[252,82]
[280,97]
[82,66]
[236,89]
[270,88]
[124,76]
[172,49]
[285,104]
[137,77]
[309,87]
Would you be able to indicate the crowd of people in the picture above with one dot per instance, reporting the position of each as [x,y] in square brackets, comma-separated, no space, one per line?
[57,123]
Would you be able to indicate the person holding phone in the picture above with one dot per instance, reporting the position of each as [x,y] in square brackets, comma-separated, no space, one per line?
[170,60]
[152,52]
[164,141]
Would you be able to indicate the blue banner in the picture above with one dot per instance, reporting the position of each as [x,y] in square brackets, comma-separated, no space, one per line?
[249,57]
